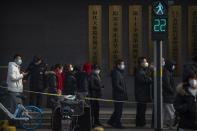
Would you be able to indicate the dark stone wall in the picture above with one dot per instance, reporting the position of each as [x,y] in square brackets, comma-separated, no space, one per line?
[58,31]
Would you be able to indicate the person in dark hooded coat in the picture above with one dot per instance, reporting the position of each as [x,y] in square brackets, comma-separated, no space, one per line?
[168,82]
[37,70]
[169,91]
[70,82]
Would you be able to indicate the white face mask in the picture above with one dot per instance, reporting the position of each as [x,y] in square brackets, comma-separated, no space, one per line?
[173,67]
[163,64]
[60,71]
[97,71]
[122,67]
[146,64]
[193,83]
[71,68]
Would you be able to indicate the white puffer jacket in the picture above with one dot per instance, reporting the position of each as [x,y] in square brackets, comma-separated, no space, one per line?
[14,78]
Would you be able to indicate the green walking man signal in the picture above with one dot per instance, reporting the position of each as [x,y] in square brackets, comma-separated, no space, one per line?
[159,19]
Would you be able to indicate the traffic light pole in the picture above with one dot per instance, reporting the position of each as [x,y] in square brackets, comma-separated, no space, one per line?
[158,121]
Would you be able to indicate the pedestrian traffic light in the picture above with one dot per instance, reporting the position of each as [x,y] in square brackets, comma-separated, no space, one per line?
[159,19]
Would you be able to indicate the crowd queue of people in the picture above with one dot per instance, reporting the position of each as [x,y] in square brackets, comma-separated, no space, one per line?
[178,102]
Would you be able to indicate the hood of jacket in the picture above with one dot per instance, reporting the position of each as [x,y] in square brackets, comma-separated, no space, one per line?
[13,64]
[169,64]
[87,68]
[183,90]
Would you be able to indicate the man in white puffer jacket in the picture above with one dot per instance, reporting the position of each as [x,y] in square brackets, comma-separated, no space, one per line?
[15,83]
[14,78]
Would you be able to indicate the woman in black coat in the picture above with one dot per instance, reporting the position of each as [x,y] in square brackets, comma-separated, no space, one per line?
[37,71]
[168,93]
[168,82]
[70,82]
[185,102]
[95,88]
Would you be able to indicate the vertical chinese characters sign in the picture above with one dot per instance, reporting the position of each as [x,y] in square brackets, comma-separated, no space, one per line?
[174,41]
[135,36]
[115,34]
[192,31]
[95,34]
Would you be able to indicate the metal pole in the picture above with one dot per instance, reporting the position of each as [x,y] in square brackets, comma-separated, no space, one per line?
[158,122]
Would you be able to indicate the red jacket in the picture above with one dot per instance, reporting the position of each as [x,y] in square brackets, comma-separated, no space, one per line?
[87,68]
[61,78]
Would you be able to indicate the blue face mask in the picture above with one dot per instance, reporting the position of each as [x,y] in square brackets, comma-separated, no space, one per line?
[122,67]
[19,62]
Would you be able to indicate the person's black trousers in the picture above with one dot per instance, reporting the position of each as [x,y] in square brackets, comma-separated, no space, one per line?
[117,114]
[95,112]
[36,100]
[140,114]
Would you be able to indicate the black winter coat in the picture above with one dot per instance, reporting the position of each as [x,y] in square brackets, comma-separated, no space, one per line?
[119,91]
[95,86]
[52,85]
[82,81]
[70,84]
[168,83]
[143,83]
[37,76]
[186,106]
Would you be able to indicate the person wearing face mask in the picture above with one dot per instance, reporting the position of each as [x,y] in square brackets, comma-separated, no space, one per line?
[70,82]
[163,62]
[185,101]
[95,88]
[143,81]
[119,93]
[54,84]
[168,90]
[59,70]
[15,84]
[37,79]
